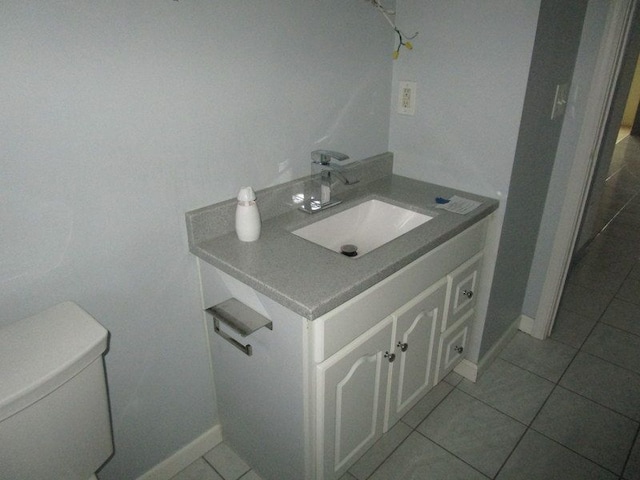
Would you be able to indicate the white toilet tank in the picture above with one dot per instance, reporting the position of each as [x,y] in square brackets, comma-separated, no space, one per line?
[54,410]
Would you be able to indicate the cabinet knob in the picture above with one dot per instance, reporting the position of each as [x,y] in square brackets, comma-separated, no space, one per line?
[403,346]
[390,356]
[458,349]
[467,293]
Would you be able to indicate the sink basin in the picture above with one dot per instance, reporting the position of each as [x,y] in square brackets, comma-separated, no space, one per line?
[366,226]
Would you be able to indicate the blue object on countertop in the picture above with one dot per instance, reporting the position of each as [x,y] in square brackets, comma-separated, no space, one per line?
[442,200]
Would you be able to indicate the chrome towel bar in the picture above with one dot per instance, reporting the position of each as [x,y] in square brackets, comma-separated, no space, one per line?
[240,318]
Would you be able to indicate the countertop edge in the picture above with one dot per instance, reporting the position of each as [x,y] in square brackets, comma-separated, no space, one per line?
[411,250]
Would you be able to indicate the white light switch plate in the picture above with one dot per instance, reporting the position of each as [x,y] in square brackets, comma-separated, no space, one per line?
[407,98]
[560,101]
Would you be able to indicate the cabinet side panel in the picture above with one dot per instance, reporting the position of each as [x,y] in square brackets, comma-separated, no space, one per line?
[260,397]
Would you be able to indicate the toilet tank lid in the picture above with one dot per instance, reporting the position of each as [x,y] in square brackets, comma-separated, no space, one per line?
[40,353]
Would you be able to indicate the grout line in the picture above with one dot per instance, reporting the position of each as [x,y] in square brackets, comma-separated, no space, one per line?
[537,374]
[618,328]
[589,253]
[626,462]
[577,453]
[453,454]
[494,408]
[412,431]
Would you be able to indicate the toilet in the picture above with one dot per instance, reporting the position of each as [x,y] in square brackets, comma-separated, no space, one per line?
[54,409]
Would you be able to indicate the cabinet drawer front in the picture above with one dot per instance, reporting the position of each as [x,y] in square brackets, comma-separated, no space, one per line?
[463,290]
[452,345]
[337,328]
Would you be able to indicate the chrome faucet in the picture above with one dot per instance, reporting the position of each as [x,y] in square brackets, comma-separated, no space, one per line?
[321,163]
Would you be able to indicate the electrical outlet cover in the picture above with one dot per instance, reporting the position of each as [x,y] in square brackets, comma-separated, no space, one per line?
[560,101]
[407,98]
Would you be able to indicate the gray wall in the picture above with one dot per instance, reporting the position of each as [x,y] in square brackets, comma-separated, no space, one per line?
[120,116]
[594,24]
[553,60]
[486,76]
[471,62]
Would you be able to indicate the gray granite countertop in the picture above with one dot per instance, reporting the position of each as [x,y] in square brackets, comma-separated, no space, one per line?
[311,280]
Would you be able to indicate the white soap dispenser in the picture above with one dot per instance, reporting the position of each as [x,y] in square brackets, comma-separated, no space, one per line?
[247,216]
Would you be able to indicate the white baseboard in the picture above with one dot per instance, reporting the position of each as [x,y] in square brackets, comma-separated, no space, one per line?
[467,369]
[472,371]
[526,324]
[185,456]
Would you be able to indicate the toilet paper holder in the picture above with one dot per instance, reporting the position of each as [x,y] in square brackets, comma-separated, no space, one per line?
[240,318]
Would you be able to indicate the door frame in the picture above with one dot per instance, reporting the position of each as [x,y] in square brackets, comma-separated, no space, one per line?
[601,96]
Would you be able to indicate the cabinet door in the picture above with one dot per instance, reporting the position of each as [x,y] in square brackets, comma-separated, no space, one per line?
[412,373]
[351,393]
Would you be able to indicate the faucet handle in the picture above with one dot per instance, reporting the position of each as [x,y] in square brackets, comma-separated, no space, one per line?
[324,157]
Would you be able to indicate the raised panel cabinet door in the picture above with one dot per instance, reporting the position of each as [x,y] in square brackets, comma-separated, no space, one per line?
[351,393]
[417,327]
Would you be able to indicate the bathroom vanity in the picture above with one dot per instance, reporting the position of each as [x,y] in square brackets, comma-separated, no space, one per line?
[355,342]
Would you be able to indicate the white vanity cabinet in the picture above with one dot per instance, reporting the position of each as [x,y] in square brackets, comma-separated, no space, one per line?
[345,378]
[380,352]
[366,387]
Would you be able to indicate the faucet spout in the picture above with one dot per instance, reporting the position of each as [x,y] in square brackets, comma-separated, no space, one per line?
[324,157]
[324,164]
[344,177]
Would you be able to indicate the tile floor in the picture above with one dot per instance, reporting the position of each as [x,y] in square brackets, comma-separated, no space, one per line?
[564,408]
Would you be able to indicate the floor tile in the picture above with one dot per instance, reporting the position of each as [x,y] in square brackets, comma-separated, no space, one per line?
[418,458]
[430,401]
[623,315]
[546,358]
[473,431]
[628,247]
[251,475]
[630,291]
[227,462]
[585,301]
[587,428]
[453,378]
[616,228]
[600,274]
[615,346]
[605,383]
[632,470]
[198,470]
[630,220]
[609,249]
[348,476]
[379,452]
[539,458]
[572,328]
[510,389]
[622,183]
[635,271]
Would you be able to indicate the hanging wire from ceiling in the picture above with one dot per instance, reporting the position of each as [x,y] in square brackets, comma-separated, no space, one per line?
[404,40]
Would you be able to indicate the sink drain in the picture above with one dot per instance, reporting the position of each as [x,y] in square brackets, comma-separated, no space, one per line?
[349,250]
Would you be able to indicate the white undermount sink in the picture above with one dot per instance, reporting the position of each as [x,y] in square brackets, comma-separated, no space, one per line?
[366,226]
